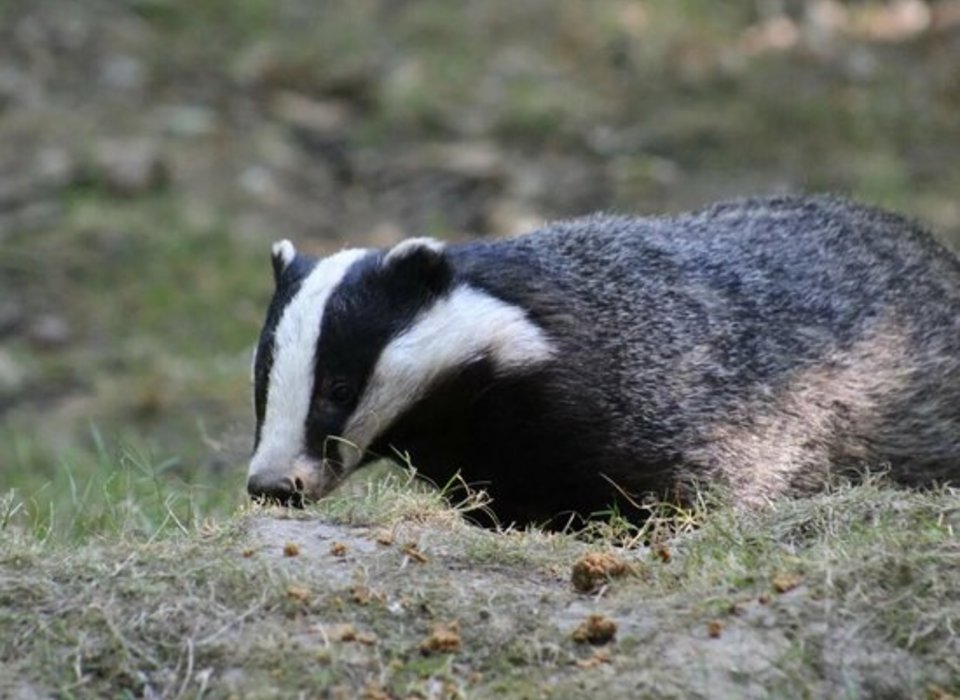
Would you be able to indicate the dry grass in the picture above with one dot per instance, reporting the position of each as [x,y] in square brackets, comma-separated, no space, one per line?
[871,609]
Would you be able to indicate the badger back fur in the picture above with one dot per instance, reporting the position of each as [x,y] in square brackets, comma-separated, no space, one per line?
[761,344]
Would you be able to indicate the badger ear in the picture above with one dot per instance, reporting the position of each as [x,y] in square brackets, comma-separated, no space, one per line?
[422,260]
[282,254]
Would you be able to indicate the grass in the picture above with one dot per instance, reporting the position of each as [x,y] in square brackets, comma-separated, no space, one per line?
[847,594]
[155,376]
[119,492]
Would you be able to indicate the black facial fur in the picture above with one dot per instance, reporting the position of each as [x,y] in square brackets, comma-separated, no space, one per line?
[288,280]
[375,302]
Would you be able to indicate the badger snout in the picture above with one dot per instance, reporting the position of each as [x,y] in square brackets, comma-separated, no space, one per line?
[284,489]
[294,482]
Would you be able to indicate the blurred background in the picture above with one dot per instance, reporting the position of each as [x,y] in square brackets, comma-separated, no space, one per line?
[151,150]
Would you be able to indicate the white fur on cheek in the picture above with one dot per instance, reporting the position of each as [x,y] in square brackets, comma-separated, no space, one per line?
[467,325]
[282,436]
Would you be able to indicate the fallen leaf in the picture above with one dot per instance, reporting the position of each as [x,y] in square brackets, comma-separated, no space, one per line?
[413,551]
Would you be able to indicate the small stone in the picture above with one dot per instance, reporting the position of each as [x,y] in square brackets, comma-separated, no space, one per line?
[260,182]
[188,120]
[130,168]
[49,332]
[11,317]
[54,166]
[324,117]
[123,73]
[12,375]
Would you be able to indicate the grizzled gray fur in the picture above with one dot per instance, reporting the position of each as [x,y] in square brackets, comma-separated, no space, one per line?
[763,344]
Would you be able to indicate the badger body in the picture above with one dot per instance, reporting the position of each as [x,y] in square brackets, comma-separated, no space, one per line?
[762,344]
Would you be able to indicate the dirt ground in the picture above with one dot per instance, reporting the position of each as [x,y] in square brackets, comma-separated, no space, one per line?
[393,595]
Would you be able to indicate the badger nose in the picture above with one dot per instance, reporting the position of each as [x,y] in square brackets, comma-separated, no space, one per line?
[276,489]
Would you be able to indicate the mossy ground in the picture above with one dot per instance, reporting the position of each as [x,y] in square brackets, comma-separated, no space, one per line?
[849,594]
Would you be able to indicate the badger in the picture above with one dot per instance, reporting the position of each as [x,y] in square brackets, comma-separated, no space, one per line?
[763,344]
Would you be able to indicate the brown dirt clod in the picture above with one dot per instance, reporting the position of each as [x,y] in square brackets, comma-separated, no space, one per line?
[361,595]
[443,639]
[291,549]
[298,594]
[343,632]
[594,569]
[786,581]
[338,549]
[596,629]
[663,553]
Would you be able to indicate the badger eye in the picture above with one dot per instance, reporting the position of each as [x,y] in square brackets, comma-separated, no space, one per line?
[340,393]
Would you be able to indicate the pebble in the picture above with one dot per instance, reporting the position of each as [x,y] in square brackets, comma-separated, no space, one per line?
[49,331]
[130,168]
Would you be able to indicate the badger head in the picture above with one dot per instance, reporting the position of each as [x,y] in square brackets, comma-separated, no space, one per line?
[351,342]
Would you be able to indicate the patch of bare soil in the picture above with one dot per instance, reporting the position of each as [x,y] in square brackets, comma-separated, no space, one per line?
[517,610]
[524,614]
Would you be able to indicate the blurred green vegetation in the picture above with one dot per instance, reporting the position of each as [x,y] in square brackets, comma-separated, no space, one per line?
[322,121]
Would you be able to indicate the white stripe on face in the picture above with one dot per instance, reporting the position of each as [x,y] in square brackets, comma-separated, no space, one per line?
[290,387]
[465,326]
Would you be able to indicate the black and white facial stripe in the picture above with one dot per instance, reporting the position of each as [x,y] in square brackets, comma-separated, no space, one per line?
[289,269]
[353,341]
